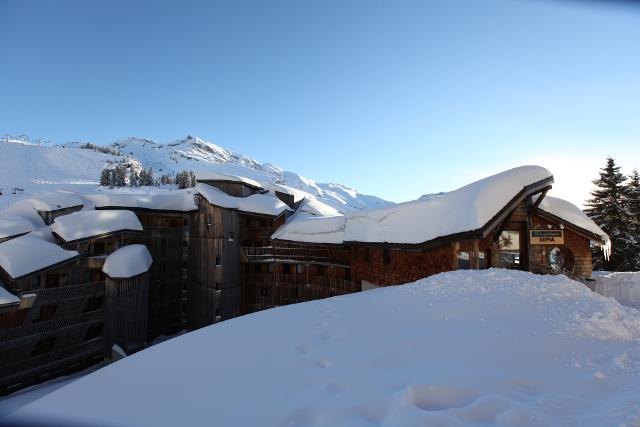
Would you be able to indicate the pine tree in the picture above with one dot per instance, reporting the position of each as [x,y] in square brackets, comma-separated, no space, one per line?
[607,208]
[134,179]
[146,177]
[192,179]
[105,178]
[120,176]
[633,208]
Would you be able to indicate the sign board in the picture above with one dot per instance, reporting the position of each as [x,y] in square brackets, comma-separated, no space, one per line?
[546,237]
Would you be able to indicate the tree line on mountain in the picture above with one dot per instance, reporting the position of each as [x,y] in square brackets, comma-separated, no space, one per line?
[615,206]
[118,177]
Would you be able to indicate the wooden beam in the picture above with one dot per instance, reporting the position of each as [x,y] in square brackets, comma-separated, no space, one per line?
[539,200]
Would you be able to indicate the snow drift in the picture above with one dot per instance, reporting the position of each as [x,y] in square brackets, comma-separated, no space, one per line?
[465,348]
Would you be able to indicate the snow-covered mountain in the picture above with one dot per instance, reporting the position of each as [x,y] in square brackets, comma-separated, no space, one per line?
[37,168]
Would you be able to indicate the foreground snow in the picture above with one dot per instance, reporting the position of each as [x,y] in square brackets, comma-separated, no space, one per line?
[462,348]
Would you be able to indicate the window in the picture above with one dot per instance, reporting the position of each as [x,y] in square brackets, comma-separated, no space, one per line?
[463,260]
[98,248]
[482,262]
[509,242]
[185,243]
[347,274]
[386,257]
[185,222]
[35,282]
[270,268]
[43,346]
[93,304]
[264,291]
[299,268]
[218,260]
[93,332]
[366,254]
[52,280]
[47,312]
[286,268]
[263,223]
[257,268]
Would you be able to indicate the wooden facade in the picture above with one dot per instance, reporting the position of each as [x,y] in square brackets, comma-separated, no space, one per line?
[126,313]
[59,331]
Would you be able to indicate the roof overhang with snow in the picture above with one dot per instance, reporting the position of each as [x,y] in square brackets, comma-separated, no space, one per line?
[91,224]
[173,203]
[29,255]
[205,176]
[264,204]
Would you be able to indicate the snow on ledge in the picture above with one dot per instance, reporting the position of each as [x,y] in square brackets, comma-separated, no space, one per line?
[127,262]
[57,200]
[266,204]
[27,254]
[7,298]
[86,224]
[217,176]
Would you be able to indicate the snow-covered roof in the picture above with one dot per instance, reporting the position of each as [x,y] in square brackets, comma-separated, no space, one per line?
[7,297]
[13,226]
[181,201]
[306,227]
[127,261]
[86,224]
[217,176]
[266,204]
[467,209]
[57,200]
[27,254]
[570,213]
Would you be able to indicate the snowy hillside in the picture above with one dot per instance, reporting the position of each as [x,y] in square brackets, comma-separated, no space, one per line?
[465,348]
[40,168]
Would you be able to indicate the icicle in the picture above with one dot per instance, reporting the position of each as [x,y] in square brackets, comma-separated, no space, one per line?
[606,248]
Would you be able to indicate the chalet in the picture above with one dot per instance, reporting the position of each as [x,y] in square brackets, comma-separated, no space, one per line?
[82,276]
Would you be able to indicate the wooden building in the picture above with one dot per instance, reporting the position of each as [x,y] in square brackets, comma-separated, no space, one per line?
[166,220]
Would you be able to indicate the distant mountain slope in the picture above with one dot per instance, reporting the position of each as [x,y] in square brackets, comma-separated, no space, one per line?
[39,168]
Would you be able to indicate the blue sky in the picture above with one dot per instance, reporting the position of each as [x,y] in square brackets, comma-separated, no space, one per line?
[394,98]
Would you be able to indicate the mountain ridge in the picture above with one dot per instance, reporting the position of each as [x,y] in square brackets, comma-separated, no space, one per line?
[37,168]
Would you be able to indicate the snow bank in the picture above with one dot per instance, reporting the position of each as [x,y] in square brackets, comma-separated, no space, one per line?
[127,261]
[307,227]
[29,253]
[85,224]
[266,204]
[7,297]
[466,348]
[466,209]
[573,215]
[624,287]
[182,201]
[217,176]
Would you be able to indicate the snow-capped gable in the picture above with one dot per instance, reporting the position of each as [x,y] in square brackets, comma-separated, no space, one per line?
[127,262]
[266,204]
[58,200]
[86,224]
[27,254]
[467,209]
[13,226]
[217,176]
[181,201]
[570,213]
